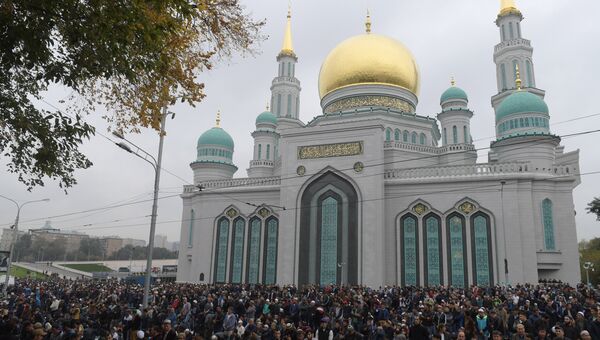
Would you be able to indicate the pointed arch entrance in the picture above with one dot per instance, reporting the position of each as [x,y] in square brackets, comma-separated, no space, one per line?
[328,232]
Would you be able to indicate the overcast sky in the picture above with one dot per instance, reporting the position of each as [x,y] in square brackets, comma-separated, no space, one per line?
[448,38]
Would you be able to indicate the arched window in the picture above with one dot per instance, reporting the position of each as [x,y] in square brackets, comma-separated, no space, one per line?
[549,242]
[514,67]
[466,135]
[397,135]
[529,71]
[518,30]
[512,124]
[297,107]
[405,136]
[454,135]
[521,122]
[409,242]
[253,257]
[413,138]
[259,151]
[270,252]
[503,33]
[289,105]
[445,137]
[481,247]
[237,251]
[433,250]
[268,151]
[221,250]
[201,277]
[422,139]
[191,229]
[293,70]
[279,104]
[457,259]
[329,241]
[503,76]
[388,134]
[289,69]
[511,31]
[526,122]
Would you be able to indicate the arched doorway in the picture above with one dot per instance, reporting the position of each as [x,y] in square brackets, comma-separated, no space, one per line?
[329,232]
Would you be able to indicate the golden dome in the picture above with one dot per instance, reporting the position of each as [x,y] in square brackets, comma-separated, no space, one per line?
[369,59]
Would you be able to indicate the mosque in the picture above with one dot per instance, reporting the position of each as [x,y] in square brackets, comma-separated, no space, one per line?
[372,193]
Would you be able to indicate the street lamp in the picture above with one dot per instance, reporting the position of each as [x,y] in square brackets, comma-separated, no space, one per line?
[587,266]
[15,235]
[156,165]
[502,183]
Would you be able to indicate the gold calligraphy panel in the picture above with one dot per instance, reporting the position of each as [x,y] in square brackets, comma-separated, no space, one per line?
[330,150]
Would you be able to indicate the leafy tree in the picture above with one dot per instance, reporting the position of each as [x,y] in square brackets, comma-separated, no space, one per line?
[594,207]
[90,248]
[130,57]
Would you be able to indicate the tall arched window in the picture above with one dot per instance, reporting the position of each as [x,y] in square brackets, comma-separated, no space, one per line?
[297,107]
[466,135]
[405,136]
[549,242]
[413,138]
[481,247]
[518,30]
[388,134]
[410,250]
[270,253]
[445,137]
[514,67]
[191,230]
[422,139]
[237,251]
[221,250]
[259,151]
[289,69]
[289,105]
[454,135]
[397,135]
[503,76]
[279,104]
[529,71]
[268,151]
[511,30]
[329,241]
[433,250]
[503,33]
[253,257]
[457,259]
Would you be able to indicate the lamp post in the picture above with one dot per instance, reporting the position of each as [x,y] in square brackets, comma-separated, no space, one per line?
[587,266]
[15,235]
[156,164]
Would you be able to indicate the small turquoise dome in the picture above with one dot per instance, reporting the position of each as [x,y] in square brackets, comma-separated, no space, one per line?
[453,93]
[216,136]
[521,102]
[266,117]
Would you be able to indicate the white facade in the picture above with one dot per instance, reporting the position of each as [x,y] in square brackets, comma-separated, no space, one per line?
[373,195]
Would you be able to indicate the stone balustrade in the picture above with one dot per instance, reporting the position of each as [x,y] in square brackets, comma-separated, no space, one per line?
[394,145]
[235,182]
[514,42]
[477,170]
[261,162]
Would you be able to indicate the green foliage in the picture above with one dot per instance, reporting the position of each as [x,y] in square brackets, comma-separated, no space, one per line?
[139,253]
[89,267]
[131,57]
[594,207]
[589,251]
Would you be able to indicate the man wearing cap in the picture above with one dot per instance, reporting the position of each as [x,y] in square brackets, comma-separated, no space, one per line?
[560,333]
[168,331]
[482,325]
[585,335]
[324,332]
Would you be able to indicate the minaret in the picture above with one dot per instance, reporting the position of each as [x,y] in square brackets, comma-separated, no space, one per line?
[285,88]
[513,51]
[266,141]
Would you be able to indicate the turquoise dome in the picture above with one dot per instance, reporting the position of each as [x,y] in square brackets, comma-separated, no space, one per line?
[453,93]
[521,102]
[266,117]
[216,136]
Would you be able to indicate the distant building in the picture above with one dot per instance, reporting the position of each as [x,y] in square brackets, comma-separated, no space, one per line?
[160,241]
[111,244]
[134,242]
[6,238]
[70,239]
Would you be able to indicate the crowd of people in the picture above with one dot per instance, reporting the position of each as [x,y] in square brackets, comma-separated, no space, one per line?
[90,309]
